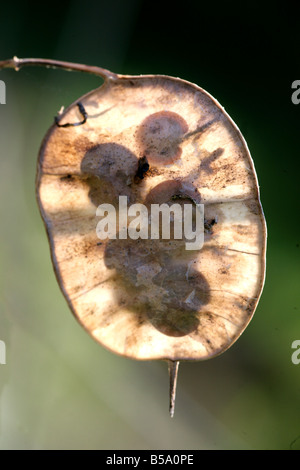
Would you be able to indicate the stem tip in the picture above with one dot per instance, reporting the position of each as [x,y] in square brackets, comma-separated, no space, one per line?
[173,374]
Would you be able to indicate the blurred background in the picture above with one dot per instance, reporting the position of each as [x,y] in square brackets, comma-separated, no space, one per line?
[61,390]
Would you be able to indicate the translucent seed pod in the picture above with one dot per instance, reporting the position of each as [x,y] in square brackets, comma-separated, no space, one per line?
[145,141]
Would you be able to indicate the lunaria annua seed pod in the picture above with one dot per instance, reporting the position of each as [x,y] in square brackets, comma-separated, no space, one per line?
[112,162]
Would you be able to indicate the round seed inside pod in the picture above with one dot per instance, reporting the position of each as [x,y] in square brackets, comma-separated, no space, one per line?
[160,135]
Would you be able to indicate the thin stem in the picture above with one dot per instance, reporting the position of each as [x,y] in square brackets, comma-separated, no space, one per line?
[173,374]
[16,64]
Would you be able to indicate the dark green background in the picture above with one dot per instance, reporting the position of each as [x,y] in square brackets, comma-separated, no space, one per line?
[59,389]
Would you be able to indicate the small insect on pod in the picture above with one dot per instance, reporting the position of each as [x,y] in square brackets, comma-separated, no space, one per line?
[179,287]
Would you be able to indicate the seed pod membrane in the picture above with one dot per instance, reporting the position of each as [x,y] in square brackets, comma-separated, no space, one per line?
[153,298]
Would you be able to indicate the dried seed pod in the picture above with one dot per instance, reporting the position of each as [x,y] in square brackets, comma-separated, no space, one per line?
[153,139]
